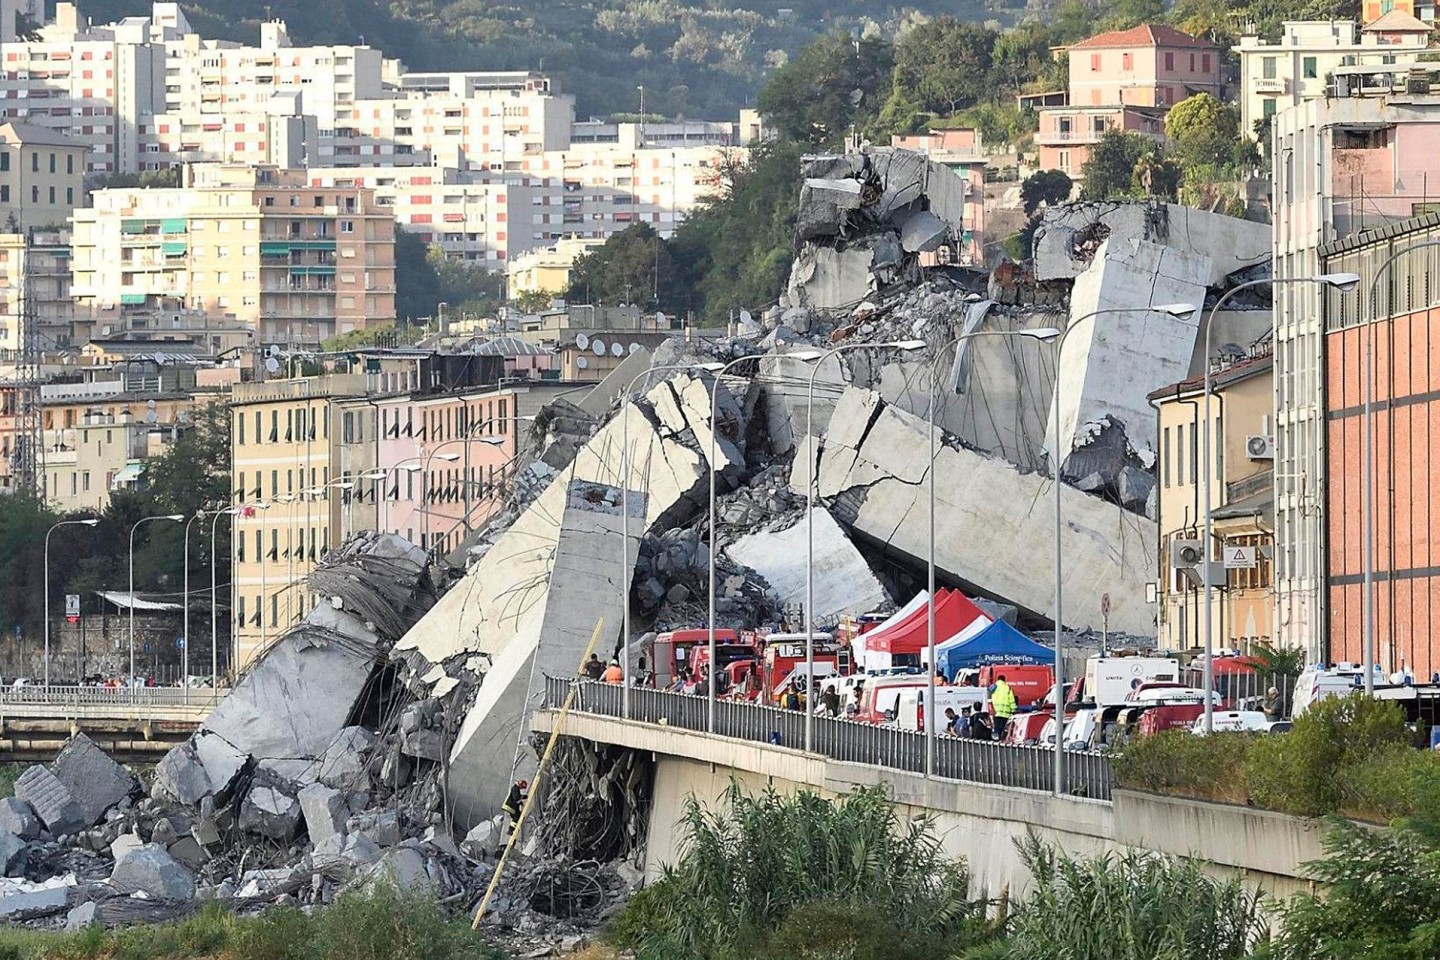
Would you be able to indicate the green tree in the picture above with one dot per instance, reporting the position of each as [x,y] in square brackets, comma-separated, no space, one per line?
[416,282]
[464,286]
[1047,187]
[940,66]
[1124,14]
[633,266]
[835,83]
[1110,169]
[1156,175]
[1203,130]
[533,301]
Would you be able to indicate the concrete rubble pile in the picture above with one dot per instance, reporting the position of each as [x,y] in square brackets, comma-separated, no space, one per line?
[864,221]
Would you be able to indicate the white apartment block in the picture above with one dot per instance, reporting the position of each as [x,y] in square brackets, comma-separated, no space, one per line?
[1278,75]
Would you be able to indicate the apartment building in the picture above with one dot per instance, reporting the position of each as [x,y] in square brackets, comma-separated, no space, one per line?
[284,440]
[1241,503]
[297,263]
[547,269]
[42,176]
[98,437]
[93,84]
[1275,75]
[1151,65]
[1420,9]
[1397,332]
[1361,160]
[35,275]
[1123,80]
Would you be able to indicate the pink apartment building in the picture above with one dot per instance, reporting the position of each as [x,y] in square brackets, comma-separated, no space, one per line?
[1124,80]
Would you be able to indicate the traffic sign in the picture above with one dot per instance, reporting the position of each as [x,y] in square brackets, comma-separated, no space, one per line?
[1239,558]
[72,604]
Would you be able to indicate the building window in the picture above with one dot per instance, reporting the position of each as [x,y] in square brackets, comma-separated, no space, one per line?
[1267,107]
[70,163]
[1204,63]
[70,196]
[1308,68]
[1094,63]
[52,196]
[52,163]
[4,161]
[1169,61]
[4,193]
[1267,68]
[34,194]
[1165,474]
[34,163]
[1127,62]
[1179,454]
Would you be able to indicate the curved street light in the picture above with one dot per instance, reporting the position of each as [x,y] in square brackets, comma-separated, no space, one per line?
[63,523]
[174,518]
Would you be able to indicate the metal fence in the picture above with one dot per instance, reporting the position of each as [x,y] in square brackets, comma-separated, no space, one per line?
[40,695]
[974,761]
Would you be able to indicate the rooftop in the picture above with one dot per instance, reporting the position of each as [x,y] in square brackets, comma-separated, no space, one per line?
[1397,21]
[1239,371]
[1145,35]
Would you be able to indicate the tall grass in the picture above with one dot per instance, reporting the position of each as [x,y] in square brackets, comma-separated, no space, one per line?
[746,870]
[1130,906]
[382,925]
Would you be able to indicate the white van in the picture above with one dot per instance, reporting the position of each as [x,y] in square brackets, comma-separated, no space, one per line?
[1315,685]
[907,708]
[1109,680]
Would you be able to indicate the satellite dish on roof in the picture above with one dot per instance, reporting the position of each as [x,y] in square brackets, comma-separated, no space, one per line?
[582,341]
[597,346]
[150,404]
[273,350]
[582,363]
[151,416]
[616,349]
[634,348]
[272,365]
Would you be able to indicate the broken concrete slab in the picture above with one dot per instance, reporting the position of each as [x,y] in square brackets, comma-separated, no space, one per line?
[342,765]
[484,839]
[352,851]
[12,854]
[324,811]
[1069,236]
[1112,362]
[51,800]
[258,883]
[787,396]
[26,897]
[82,916]
[18,817]
[923,232]
[152,871]
[94,780]
[404,869]
[843,582]
[188,852]
[270,811]
[994,525]
[380,826]
[205,765]
[825,207]
[125,844]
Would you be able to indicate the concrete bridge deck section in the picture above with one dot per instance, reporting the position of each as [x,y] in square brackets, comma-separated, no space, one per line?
[979,822]
[133,724]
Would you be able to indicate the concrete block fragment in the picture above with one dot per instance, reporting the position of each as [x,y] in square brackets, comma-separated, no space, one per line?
[12,854]
[152,871]
[204,765]
[381,826]
[923,232]
[93,779]
[260,883]
[825,206]
[843,582]
[125,844]
[18,817]
[30,898]
[51,800]
[324,811]
[351,851]
[404,869]
[423,744]
[81,917]
[484,839]
[342,765]
[269,811]
[187,851]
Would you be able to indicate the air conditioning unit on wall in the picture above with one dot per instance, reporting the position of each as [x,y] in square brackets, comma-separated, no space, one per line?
[1260,447]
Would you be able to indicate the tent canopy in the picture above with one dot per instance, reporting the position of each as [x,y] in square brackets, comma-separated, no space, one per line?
[999,643]
[953,613]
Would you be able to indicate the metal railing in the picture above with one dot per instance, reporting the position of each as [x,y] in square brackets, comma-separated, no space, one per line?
[973,761]
[39,695]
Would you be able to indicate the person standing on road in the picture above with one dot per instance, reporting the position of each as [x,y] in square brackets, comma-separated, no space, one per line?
[1002,702]
[613,673]
[1272,705]
[980,723]
[594,668]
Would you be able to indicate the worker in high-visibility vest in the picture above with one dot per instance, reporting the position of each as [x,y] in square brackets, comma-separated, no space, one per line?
[1002,704]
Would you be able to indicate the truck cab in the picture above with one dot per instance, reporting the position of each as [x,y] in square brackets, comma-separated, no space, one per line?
[670,653]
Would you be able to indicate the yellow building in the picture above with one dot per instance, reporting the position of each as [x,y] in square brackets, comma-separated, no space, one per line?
[1241,409]
[547,269]
[284,438]
[298,263]
[42,176]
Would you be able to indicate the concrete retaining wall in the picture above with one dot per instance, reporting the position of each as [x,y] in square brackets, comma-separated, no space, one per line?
[980,823]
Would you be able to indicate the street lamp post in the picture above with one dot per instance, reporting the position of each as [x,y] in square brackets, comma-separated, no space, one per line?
[1367,488]
[174,517]
[1042,334]
[410,465]
[625,524]
[215,597]
[185,631]
[1344,282]
[63,523]
[425,489]
[812,454]
[1176,310]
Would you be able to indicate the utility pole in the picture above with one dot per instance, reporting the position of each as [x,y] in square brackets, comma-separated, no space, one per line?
[27,466]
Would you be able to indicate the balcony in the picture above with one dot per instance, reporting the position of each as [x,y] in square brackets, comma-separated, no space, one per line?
[1274,85]
[1062,138]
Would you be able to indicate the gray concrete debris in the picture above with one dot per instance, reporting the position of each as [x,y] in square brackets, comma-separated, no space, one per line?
[51,800]
[923,233]
[993,531]
[843,582]
[343,763]
[12,854]
[260,883]
[1070,235]
[484,839]
[380,826]
[188,851]
[324,811]
[404,869]
[825,207]
[152,870]
[353,852]
[82,916]
[95,781]
[269,811]
[125,844]
[205,765]
[18,818]
[28,898]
